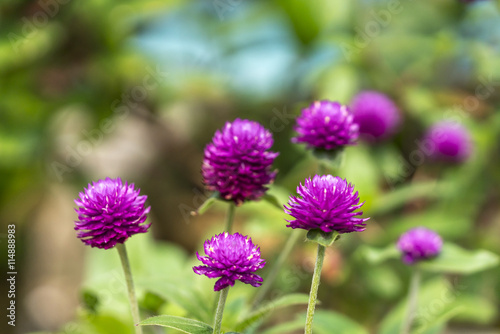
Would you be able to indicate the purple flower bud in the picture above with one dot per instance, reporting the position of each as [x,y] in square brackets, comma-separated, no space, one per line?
[109,213]
[375,113]
[327,203]
[237,162]
[232,257]
[419,244]
[326,125]
[448,141]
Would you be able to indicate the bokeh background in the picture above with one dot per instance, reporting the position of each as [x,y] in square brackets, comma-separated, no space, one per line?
[136,89]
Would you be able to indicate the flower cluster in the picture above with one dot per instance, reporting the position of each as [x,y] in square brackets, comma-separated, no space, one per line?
[448,141]
[232,257]
[237,162]
[109,212]
[326,125]
[328,203]
[419,244]
[375,113]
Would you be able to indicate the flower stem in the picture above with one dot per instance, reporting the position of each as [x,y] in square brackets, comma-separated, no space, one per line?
[268,282]
[411,307]
[220,310]
[230,218]
[313,295]
[122,251]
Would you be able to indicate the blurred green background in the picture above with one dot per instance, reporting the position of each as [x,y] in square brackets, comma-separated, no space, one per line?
[136,89]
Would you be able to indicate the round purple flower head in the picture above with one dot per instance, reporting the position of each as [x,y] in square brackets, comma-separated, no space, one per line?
[237,162]
[419,244]
[447,141]
[110,212]
[328,203]
[326,125]
[375,113]
[231,257]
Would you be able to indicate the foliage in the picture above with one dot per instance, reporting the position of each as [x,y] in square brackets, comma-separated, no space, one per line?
[62,78]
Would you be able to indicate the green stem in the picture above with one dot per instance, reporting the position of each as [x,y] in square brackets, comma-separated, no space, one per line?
[205,205]
[220,310]
[268,282]
[411,307]
[122,251]
[313,295]
[230,218]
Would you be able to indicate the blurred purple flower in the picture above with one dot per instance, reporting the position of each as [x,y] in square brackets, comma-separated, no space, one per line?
[419,244]
[448,141]
[376,114]
[326,125]
[231,257]
[109,212]
[237,162]
[327,203]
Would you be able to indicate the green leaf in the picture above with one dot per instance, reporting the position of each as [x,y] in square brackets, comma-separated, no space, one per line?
[438,322]
[287,327]
[476,309]
[436,218]
[105,323]
[264,311]
[236,307]
[454,259]
[90,301]
[322,238]
[185,297]
[382,281]
[185,325]
[324,323]
[407,193]
[273,200]
[152,302]
[437,303]
[378,255]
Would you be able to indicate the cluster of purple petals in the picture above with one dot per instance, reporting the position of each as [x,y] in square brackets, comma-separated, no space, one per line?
[237,163]
[109,212]
[376,114]
[328,203]
[230,257]
[326,125]
[448,141]
[419,244]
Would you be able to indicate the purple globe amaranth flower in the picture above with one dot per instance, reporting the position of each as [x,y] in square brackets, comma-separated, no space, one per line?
[376,114]
[326,125]
[328,203]
[419,244]
[110,212]
[237,162]
[232,257]
[447,141]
